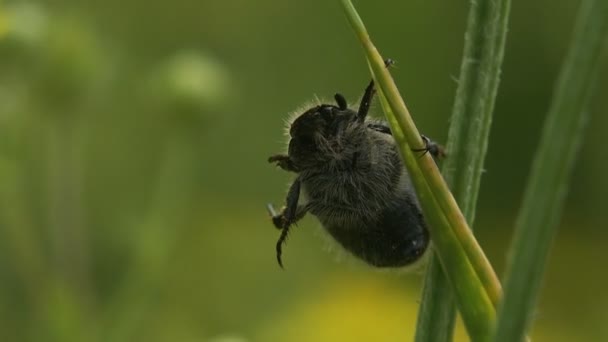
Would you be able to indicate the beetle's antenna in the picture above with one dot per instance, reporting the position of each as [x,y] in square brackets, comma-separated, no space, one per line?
[341,101]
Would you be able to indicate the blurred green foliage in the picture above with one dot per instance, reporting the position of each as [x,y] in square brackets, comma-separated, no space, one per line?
[133,174]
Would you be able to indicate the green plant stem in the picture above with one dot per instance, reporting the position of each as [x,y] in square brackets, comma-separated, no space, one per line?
[467,145]
[431,173]
[544,198]
[459,253]
[472,298]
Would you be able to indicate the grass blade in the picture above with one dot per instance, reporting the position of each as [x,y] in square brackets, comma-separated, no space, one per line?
[472,298]
[461,257]
[547,186]
[431,173]
[467,144]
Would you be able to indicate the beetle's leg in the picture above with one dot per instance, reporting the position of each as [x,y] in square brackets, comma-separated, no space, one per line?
[284,162]
[366,100]
[431,147]
[288,216]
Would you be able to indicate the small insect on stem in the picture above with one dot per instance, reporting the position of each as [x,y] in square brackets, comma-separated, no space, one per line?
[389,62]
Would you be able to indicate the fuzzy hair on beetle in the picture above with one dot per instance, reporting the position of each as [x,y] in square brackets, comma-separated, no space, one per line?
[350,176]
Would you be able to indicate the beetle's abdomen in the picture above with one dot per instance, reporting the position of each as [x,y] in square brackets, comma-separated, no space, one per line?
[397,238]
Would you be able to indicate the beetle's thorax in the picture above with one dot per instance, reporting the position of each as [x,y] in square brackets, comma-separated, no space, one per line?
[357,183]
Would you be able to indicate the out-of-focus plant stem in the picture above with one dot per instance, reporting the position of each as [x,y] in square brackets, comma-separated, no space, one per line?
[547,186]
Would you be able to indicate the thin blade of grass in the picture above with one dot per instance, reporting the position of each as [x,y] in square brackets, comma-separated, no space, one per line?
[547,186]
[431,173]
[461,257]
[472,298]
[467,144]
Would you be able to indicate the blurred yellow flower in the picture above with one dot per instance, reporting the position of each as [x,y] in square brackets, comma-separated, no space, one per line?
[350,308]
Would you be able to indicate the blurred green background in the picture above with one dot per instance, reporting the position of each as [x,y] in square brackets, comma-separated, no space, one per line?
[133,176]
